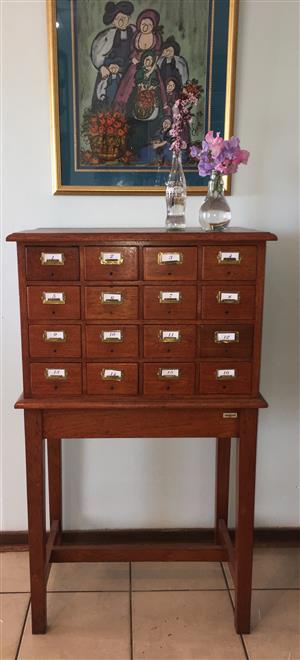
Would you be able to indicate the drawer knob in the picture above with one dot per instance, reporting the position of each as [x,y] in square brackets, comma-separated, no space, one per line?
[168,374]
[111,335]
[56,374]
[225,374]
[111,374]
[169,296]
[224,337]
[233,258]
[111,298]
[169,258]
[228,297]
[111,258]
[168,336]
[52,258]
[53,298]
[54,335]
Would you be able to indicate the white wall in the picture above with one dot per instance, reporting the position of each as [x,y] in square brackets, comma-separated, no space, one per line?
[119,483]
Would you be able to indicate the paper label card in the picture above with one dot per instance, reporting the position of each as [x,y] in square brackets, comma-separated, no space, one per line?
[229,257]
[56,373]
[54,335]
[170,296]
[111,335]
[111,258]
[169,373]
[111,298]
[111,374]
[170,258]
[229,297]
[226,373]
[52,258]
[54,297]
[169,335]
[226,337]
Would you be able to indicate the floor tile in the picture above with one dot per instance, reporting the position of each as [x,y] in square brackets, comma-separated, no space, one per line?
[81,626]
[14,571]
[190,625]
[162,576]
[275,627]
[89,577]
[274,568]
[12,615]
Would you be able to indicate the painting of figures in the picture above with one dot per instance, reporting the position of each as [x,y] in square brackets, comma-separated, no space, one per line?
[120,67]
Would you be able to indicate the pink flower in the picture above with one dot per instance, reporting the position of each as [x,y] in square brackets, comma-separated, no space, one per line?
[215,144]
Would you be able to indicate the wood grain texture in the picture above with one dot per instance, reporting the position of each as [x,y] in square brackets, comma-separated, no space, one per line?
[244,270]
[35,270]
[212,309]
[38,310]
[156,347]
[186,269]
[95,270]
[184,309]
[97,384]
[209,346]
[69,347]
[96,309]
[97,347]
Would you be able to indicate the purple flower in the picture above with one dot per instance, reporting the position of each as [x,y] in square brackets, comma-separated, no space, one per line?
[224,156]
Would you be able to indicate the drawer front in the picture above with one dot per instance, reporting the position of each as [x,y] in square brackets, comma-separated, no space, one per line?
[55,340]
[112,378]
[163,263]
[112,341]
[169,378]
[111,302]
[55,379]
[228,302]
[229,262]
[53,302]
[111,263]
[181,304]
[52,263]
[217,340]
[169,341]
[225,377]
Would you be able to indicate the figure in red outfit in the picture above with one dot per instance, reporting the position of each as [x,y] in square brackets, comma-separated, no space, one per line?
[147,37]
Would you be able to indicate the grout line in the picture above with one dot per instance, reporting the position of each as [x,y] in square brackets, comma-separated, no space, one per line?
[244,647]
[130,610]
[22,630]
[232,606]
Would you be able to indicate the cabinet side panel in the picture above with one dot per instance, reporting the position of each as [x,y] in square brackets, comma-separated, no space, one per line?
[259,302]
[24,318]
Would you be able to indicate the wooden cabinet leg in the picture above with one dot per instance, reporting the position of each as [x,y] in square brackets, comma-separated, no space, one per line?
[35,471]
[54,479]
[222,482]
[246,464]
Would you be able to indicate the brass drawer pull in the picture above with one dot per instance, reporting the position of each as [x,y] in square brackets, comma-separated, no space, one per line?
[111,336]
[56,374]
[54,335]
[224,337]
[232,258]
[111,258]
[52,258]
[168,374]
[111,374]
[164,258]
[168,336]
[53,298]
[111,298]
[227,297]
[170,296]
[225,374]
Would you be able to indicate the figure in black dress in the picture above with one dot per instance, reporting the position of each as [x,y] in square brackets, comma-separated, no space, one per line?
[172,64]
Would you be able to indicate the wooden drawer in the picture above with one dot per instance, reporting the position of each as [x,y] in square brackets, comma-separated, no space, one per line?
[112,378]
[55,379]
[228,302]
[169,341]
[158,305]
[163,263]
[221,340]
[228,377]
[52,263]
[111,302]
[55,340]
[53,302]
[112,341]
[229,262]
[169,378]
[111,263]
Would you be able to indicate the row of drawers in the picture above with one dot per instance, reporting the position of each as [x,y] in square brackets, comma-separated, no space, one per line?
[159,263]
[122,302]
[64,379]
[172,341]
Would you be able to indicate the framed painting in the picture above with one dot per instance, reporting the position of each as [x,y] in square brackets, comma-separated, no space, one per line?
[116,69]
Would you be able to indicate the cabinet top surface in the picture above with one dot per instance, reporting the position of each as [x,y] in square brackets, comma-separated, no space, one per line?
[84,235]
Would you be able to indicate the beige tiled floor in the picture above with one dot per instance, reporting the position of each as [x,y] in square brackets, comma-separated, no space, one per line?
[152,611]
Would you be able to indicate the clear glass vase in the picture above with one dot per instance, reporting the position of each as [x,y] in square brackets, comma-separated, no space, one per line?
[176,195]
[215,212]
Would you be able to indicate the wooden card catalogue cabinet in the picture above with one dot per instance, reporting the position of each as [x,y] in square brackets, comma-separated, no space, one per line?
[141,333]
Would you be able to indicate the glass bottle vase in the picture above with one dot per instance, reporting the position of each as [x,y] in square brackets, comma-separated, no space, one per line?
[215,214]
[176,195]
